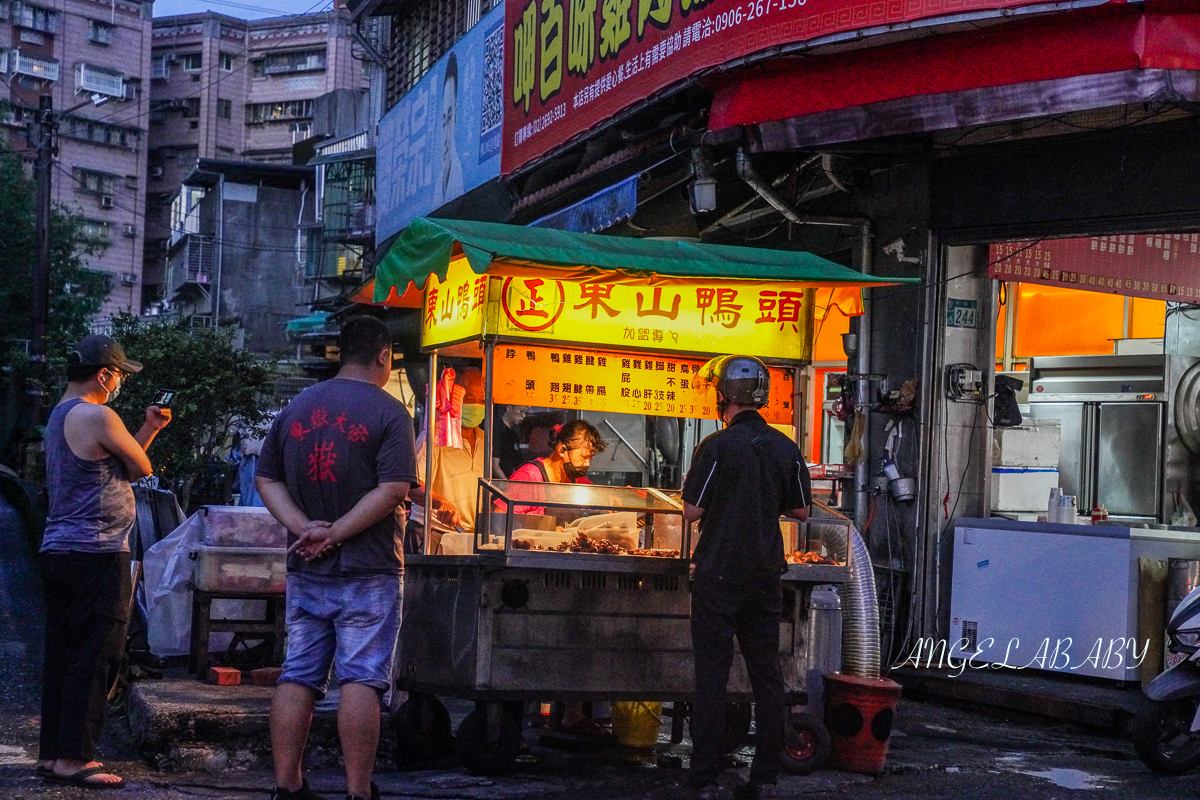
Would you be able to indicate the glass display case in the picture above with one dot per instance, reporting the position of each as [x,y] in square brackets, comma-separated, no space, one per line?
[515,517]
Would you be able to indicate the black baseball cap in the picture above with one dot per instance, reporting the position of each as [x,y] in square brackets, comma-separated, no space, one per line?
[102,351]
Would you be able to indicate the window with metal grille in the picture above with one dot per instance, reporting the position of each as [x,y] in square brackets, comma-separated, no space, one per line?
[269,112]
[93,182]
[100,32]
[35,18]
[94,230]
[422,34]
[298,61]
[225,109]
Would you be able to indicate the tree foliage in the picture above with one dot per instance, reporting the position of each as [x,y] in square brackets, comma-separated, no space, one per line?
[76,292]
[216,385]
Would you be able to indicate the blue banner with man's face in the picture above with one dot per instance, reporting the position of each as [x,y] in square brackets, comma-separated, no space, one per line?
[443,138]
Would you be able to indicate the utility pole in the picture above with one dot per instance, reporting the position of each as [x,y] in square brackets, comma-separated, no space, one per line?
[41,138]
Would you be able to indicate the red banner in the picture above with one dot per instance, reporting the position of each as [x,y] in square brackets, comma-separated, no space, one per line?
[570,64]
[1163,266]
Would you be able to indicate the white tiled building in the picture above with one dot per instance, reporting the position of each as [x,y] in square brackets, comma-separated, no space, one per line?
[72,50]
[230,89]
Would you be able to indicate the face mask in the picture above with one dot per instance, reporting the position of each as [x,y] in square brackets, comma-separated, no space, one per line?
[722,404]
[573,472]
[472,415]
[113,394]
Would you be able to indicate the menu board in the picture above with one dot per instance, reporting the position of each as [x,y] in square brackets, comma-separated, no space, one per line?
[626,383]
[1161,266]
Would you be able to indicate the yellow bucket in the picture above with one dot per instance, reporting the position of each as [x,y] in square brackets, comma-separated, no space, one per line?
[635,723]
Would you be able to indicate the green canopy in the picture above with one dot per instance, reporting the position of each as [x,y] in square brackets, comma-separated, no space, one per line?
[427,246]
[313,322]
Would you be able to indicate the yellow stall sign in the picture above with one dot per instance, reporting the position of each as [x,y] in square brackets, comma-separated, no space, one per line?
[627,383]
[773,320]
[454,309]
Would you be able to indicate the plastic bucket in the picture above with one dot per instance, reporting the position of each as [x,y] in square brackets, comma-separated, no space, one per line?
[859,714]
[635,723]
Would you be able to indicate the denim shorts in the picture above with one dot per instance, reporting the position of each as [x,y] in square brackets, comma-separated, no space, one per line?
[351,624]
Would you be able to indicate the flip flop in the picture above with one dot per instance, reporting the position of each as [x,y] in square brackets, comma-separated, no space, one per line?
[42,769]
[80,779]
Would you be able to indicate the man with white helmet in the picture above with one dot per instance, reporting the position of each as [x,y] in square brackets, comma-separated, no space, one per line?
[741,480]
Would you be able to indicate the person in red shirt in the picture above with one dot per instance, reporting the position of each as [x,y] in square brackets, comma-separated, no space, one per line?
[574,445]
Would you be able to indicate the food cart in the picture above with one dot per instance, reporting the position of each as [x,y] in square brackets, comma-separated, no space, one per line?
[590,599]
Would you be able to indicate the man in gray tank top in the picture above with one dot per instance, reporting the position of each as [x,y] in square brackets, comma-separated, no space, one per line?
[90,460]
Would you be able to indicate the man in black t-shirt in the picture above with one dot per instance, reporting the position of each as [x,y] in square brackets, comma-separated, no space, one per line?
[334,466]
[741,480]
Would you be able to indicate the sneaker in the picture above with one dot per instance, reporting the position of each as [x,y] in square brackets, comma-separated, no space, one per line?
[303,793]
[755,791]
[374,794]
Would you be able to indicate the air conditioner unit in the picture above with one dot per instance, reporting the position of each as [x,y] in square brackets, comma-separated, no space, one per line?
[106,201]
[156,172]
[129,278]
[129,230]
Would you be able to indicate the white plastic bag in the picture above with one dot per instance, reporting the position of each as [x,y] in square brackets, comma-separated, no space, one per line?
[1183,517]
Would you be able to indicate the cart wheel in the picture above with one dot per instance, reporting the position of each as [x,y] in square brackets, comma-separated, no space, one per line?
[737,725]
[806,744]
[481,757]
[422,728]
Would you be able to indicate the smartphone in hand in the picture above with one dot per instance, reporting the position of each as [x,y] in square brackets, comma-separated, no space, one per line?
[163,398]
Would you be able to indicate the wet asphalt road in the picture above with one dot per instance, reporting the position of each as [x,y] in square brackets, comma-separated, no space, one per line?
[937,751]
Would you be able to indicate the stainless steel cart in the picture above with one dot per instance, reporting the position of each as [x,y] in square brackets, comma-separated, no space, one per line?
[505,624]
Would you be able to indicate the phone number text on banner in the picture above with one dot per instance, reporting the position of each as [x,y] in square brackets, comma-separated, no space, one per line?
[570,64]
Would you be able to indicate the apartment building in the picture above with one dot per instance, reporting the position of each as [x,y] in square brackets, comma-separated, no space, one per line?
[235,90]
[78,52]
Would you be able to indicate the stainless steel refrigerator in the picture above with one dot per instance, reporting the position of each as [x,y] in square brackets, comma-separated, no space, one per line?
[1112,410]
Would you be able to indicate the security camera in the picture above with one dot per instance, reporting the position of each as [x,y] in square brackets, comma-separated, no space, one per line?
[895,249]
[98,99]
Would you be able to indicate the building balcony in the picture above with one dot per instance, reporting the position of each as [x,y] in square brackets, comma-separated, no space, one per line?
[21,64]
[349,222]
[192,264]
[100,81]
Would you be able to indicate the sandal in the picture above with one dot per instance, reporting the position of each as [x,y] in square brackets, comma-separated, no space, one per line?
[43,770]
[80,779]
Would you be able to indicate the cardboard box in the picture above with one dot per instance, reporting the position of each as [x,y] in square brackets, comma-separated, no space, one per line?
[1033,444]
[1022,488]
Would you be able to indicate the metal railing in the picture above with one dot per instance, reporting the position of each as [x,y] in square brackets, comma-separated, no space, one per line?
[193,262]
[101,81]
[22,64]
